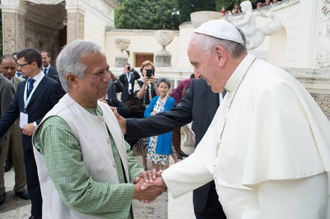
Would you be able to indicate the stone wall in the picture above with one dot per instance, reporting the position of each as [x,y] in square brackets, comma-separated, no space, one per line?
[317,82]
[323,101]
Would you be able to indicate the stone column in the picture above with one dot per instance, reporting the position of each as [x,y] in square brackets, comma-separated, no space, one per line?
[13,25]
[75,21]
[321,44]
[307,26]
[75,28]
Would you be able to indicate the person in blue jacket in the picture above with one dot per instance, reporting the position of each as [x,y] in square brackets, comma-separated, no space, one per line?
[159,147]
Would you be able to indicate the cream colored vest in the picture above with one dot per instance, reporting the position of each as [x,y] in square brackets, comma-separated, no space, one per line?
[91,132]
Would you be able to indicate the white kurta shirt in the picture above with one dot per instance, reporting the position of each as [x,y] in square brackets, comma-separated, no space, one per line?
[268,138]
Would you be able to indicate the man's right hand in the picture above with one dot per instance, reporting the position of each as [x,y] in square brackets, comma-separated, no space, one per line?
[149,194]
[122,122]
[113,77]
[126,70]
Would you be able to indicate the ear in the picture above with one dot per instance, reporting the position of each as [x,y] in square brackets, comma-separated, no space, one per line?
[72,79]
[221,55]
[34,65]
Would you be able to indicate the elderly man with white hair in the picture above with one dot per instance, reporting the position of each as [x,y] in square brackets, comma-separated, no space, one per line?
[268,146]
[86,168]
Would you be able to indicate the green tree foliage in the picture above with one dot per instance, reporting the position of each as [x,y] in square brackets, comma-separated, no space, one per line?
[186,7]
[146,14]
[164,14]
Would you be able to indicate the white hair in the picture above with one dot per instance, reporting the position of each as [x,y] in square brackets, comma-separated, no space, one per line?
[208,43]
[69,59]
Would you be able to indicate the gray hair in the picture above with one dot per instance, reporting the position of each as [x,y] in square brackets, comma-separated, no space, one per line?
[166,80]
[69,59]
[208,43]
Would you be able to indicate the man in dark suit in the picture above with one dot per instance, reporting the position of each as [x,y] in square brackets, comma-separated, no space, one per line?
[33,99]
[115,86]
[199,105]
[13,139]
[7,92]
[127,79]
[47,68]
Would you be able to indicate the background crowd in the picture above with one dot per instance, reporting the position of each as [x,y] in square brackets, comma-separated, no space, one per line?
[237,8]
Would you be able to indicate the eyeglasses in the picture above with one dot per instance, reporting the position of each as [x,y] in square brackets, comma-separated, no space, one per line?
[21,65]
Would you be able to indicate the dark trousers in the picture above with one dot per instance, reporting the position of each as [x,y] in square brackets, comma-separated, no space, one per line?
[32,181]
[213,209]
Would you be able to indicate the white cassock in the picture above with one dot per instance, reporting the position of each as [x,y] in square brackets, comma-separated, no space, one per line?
[267,149]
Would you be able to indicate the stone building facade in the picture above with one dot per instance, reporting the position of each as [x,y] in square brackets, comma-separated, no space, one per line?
[50,24]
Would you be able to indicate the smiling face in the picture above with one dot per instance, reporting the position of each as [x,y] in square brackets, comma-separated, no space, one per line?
[163,89]
[206,66]
[215,67]
[94,84]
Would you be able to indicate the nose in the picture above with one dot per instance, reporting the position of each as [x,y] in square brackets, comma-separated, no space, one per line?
[10,70]
[197,75]
[107,77]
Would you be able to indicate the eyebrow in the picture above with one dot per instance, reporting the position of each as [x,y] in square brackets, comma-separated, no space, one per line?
[97,69]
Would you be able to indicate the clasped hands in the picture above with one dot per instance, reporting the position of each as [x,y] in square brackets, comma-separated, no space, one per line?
[148,186]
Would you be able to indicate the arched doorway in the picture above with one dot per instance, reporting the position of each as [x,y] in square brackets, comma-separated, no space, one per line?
[47,27]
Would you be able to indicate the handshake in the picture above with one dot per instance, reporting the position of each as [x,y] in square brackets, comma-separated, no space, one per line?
[148,186]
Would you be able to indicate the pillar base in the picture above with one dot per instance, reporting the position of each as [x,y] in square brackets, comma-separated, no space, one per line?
[121,61]
[163,60]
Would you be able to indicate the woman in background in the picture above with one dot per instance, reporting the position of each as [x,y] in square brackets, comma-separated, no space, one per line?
[159,147]
[147,87]
[145,90]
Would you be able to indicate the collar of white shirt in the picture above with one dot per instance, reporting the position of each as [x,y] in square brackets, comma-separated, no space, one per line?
[37,79]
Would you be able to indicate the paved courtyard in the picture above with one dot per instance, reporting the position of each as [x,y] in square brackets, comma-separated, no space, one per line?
[163,207]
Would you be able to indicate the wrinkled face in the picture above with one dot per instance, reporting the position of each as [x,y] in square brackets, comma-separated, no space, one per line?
[144,70]
[24,67]
[163,89]
[9,68]
[45,59]
[94,84]
[205,66]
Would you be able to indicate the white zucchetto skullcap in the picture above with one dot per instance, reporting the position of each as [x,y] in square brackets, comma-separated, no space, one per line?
[220,29]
